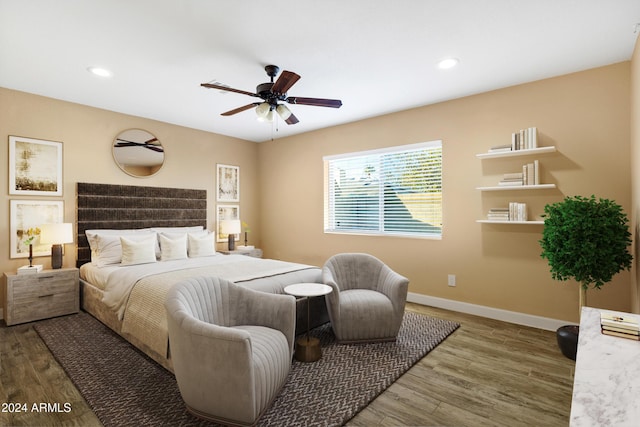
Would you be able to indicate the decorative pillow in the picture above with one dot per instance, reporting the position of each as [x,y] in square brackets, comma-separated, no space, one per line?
[92,239]
[138,251]
[109,248]
[201,245]
[173,247]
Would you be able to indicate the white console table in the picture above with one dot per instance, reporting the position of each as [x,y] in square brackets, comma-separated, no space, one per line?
[606,386]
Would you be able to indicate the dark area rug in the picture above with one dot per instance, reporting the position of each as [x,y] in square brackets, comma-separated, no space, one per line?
[126,388]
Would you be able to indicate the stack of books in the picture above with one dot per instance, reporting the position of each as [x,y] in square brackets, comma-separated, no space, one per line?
[620,325]
[33,269]
[524,139]
[498,214]
[512,179]
[515,212]
[530,175]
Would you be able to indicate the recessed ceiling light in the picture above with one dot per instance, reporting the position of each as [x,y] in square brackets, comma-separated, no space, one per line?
[98,71]
[448,63]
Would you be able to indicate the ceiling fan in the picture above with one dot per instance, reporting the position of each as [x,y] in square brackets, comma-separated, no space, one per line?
[151,144]
[272,94]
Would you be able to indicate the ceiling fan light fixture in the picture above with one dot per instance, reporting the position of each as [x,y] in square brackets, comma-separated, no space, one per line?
[267,118]
[447,63]
[263,109]
[283,111]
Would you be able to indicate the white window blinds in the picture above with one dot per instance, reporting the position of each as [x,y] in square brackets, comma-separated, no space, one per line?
[391,191]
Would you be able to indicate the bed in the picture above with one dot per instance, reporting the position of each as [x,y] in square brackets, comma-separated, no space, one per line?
[120,228]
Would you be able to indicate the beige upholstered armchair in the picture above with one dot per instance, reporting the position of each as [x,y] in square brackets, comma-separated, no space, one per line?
[368,298]
[231,347]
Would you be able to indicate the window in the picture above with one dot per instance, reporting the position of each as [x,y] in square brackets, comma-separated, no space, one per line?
[395,191]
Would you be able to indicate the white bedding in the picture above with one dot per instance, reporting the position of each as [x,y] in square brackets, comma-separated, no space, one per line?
[117,281]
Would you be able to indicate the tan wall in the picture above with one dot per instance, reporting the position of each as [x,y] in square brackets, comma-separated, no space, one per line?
[87,135]
[635,172]
[585,115]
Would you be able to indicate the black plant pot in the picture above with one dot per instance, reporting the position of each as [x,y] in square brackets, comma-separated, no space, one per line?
[568,340]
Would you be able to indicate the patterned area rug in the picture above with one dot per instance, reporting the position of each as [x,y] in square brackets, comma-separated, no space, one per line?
[126,388]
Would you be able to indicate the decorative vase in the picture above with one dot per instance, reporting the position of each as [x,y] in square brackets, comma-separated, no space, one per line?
[567,337]
[30,255]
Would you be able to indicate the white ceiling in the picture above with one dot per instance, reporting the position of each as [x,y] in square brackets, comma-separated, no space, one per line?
[376,56]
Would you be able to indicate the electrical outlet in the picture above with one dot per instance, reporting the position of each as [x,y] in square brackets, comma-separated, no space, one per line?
[451,280]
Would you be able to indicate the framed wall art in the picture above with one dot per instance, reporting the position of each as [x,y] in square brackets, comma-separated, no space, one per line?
[26,218]
[228,185]
[35,167]
[226,212]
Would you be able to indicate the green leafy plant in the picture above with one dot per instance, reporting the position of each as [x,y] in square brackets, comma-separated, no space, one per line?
[586,239]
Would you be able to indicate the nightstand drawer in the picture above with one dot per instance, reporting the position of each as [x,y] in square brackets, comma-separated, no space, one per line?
[44,306]
[42,295]
[42,284]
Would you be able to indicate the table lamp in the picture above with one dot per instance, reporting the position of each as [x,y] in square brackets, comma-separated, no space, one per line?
[230,227]
[56,235]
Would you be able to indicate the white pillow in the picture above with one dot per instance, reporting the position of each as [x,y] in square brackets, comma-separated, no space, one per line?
[201,245]
[141,251]
[173,247]
[109,247]
[92,238]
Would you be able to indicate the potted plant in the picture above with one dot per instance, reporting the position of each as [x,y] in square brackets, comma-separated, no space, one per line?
[587,240]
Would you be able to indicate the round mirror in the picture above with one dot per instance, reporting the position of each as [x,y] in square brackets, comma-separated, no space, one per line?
[138,152]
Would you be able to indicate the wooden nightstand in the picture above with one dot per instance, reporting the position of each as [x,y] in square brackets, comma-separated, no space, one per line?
[256,253]
[50,293]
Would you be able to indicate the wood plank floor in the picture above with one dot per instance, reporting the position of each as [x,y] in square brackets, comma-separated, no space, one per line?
[487,373]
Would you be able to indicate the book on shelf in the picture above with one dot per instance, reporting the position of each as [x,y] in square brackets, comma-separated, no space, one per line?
[515,212]
[512,176]
[510,182]
[531,173]
[621,335]
[500,148]
[30,269]
[498,214]
[524,139]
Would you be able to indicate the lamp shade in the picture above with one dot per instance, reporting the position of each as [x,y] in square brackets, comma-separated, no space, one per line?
[263,109]
[230,226]
[283,111]
[56,234]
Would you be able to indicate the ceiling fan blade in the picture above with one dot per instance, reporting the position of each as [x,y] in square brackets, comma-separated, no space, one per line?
[285,81]
[240,109]
[228,89]
[317,102]
[292,120]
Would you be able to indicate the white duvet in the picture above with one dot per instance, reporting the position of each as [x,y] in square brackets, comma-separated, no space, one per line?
[117,281]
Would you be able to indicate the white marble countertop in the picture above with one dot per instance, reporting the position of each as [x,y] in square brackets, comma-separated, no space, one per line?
[606,387]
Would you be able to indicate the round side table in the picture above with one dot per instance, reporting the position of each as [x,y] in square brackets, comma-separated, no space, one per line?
[308,348]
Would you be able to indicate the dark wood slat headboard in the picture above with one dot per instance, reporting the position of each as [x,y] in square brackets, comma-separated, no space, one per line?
[108,206]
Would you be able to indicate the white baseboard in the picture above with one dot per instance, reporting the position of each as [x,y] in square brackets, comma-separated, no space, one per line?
[489,312]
